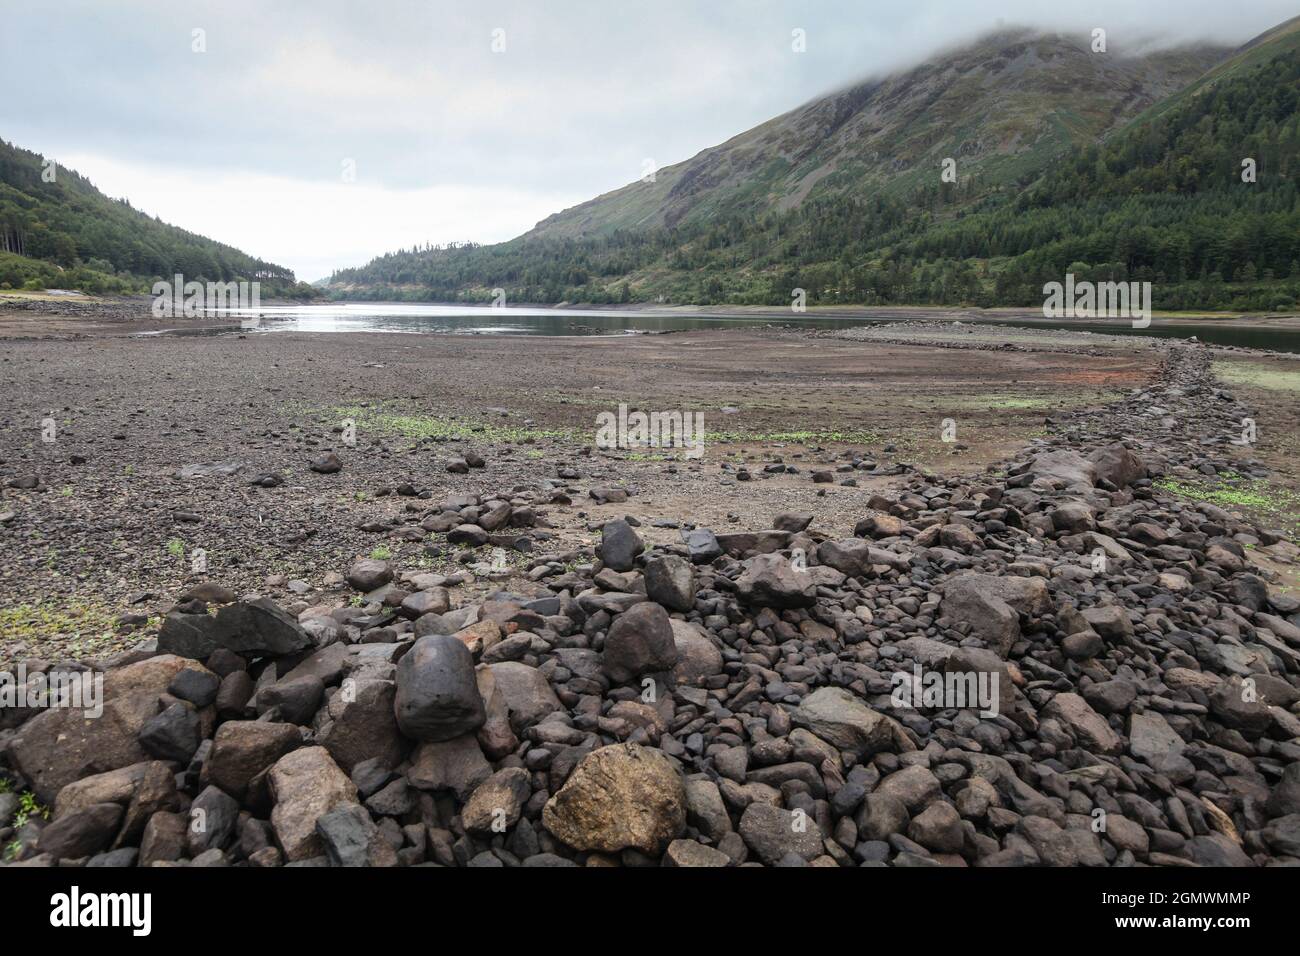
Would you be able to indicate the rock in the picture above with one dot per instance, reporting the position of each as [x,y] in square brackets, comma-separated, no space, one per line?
[992,620]
[1090,728]
[640,641]
[350,838]
[690,853]
[306,784]
[258,628]
[1282,834]
[698,658]
[470,535]
[457,765]
[326,464]
[1116,464]
[770,581]
[369,574]
[846,723]
[619,545]
[437,693]
[497,803]
[938,828]
[1068,467]
[60,746]
[213,818]
[243,749]
[298,698]
[361,724]
[173,734]
[1234,707]
[196,685]
[772,833]
[915,787]
[702,545]
[1285,798]
[619,797]
[670,581]
[81,834]
[525,692]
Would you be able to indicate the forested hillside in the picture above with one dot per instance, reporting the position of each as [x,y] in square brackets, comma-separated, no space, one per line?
[67,233]
[1162,199]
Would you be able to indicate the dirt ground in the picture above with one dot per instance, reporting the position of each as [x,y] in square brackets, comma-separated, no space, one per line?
[115,534]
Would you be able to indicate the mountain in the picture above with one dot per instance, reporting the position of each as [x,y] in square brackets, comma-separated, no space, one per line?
[67,233]
[1001,108]
[1138,179]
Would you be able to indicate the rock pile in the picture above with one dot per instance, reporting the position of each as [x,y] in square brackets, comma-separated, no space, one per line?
[733,700]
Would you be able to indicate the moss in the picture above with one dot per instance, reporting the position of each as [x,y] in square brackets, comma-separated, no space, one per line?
[1258,375]
[393,420]
[27,622]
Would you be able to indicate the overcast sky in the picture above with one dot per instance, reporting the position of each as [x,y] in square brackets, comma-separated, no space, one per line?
[450,140]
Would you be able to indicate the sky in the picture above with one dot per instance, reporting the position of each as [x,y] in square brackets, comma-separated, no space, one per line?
[318,134]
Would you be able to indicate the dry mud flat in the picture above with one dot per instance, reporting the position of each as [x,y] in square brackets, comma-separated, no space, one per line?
[116,520]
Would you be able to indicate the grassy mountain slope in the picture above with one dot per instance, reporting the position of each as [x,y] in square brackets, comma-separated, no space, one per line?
[68,233]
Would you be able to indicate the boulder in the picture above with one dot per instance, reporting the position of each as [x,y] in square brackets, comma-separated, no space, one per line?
[619,797]
[306,784]
[640,641]
[437,693]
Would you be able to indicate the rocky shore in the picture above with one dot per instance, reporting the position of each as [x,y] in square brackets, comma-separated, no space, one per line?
[732,699]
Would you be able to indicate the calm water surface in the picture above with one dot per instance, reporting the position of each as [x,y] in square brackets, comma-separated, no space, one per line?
[483,320]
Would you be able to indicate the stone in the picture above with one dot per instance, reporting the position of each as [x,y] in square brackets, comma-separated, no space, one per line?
[698,658]
[1118,465]
[243,749]
[497,803]
[772,833]
[691,853]
[369,574]
[640,641]
[769,580]
[173,734]
[306,784]
[82,833]
[457,765]
[350,838]
[525,692]
[619,797]
[619,545]
[437,693]
[670,582]
[1089,727]
[845,722]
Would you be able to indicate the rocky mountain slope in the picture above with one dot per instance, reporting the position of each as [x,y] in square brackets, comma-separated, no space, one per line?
[1001,107]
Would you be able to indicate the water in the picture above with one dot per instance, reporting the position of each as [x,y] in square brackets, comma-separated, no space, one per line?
[484,320]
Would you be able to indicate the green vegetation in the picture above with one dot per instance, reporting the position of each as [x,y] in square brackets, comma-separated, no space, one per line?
[28,807]
[382,553]
[1161,201]
[65,233]
[394,420]
[1258,496]
[1258,375]
[26,622]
